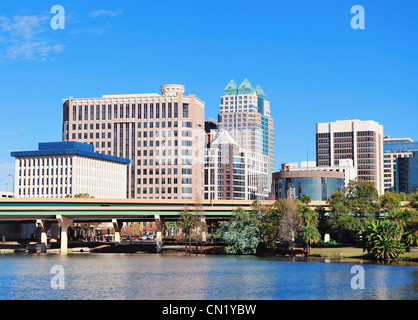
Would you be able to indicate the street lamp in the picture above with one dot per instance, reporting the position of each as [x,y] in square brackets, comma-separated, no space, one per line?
[13,178]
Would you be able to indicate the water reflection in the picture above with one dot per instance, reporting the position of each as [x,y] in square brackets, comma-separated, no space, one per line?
[156,277]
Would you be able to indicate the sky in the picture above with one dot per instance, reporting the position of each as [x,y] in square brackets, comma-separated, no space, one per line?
[312,65]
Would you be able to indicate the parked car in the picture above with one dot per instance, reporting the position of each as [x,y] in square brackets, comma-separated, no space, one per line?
[135,237]
[144,237]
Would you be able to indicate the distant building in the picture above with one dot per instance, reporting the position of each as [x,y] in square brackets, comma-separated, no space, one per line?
[245,114]
[395,148]
[211,130]
[361,141]
[162,135]
[407,174]
[59,169]
[317,182]
[232,172]
[5,194]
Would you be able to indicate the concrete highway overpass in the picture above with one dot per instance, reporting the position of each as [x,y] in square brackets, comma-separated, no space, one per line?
[45,212]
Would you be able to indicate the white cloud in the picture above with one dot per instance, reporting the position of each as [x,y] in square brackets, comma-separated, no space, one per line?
[106,13]
[24,40]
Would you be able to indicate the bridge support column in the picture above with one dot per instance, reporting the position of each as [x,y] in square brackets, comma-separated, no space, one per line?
[64,223]
[117,225]
[159,222]
[204,229]
[43,227]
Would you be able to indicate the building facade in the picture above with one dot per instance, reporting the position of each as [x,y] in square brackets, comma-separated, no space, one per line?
[245,115]
[407,174]
[6,194]
[319,185]
[361,141]
[232,172]
[345,166]
[59,169]
[395,148]
[162,134]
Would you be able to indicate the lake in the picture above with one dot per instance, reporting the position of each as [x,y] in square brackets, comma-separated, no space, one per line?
[176,277]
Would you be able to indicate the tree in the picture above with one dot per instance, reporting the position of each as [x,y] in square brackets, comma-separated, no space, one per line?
[308,217]
[80,195]
[199,225]
[243,232]
[186,225]
[290,222]
[379,239]
[169,226]
[305,199]
[362,199]
[271,225]
[390,201]
[309,235]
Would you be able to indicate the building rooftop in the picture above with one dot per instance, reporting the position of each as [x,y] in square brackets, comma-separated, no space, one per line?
[68,148]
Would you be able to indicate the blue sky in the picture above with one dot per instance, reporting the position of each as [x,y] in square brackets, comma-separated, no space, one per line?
[312,65]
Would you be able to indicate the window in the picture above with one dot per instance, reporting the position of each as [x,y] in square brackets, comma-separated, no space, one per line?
[185,110]
[170,113]
[176,110]
[163,111]
[109,112]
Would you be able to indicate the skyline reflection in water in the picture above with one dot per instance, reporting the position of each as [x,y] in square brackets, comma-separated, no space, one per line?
[171,277]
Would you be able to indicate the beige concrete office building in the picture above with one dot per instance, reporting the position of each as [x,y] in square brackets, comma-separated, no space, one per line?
[162,134]
[361,141]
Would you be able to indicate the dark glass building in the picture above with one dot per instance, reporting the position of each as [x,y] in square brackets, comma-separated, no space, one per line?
[407,174]
[319,185]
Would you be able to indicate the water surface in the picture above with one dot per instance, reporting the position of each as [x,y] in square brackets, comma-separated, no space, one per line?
[161,277]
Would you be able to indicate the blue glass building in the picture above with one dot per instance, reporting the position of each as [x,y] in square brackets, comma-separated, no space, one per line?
[319,185]
[407,174]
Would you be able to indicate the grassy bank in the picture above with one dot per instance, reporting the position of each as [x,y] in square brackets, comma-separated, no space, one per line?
[353,252]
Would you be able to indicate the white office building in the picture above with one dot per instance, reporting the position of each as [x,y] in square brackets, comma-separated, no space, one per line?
[69,168]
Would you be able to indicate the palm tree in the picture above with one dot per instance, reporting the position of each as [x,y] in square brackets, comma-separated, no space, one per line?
[310,235]
[305,198]
[380,239]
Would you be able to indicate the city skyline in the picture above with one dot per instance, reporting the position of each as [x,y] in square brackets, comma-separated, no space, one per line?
[321,71]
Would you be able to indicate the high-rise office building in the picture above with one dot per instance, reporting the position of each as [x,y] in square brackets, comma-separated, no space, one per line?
[407,174]
[361,141]
[232,172]
[163,136]
[245,115]
[395,148]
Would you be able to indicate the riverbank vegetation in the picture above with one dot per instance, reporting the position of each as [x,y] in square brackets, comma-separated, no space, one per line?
[383,227]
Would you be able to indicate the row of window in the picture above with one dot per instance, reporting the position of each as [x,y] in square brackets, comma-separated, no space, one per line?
[42,162]
[45,191]
[122,111]
[163,190]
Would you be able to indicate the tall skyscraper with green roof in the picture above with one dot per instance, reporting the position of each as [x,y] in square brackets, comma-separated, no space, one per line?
[245,115]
